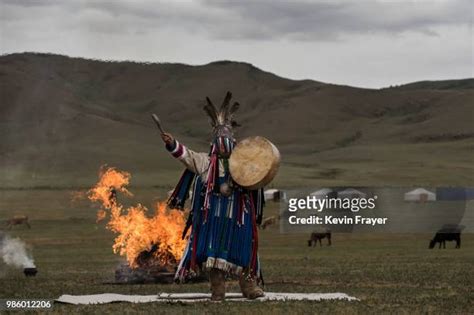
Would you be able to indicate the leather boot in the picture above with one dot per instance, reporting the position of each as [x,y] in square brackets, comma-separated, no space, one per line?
[249,287]
[217,280]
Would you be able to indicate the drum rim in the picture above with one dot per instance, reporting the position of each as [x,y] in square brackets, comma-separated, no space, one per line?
[271,168]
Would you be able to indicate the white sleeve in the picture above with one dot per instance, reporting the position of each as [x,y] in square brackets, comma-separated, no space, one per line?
[197,162]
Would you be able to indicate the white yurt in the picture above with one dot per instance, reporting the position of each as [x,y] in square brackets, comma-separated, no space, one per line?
[420,195]
[322,193]
[351,193]
[273,194]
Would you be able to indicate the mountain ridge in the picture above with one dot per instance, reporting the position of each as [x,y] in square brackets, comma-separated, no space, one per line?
[444,84]
[62,117]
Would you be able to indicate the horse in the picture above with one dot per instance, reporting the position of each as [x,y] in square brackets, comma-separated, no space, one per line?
[269,221]
[318,236]
[18,220]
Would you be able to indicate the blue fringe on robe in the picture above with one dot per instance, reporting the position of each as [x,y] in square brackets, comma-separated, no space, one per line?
[227,238]
[181,192]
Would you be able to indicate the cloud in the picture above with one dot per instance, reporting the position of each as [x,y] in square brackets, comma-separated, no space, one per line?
[365,43]
[305,20]
[254,20]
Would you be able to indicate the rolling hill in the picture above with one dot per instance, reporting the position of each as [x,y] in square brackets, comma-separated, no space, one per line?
[440,85]
[61,118]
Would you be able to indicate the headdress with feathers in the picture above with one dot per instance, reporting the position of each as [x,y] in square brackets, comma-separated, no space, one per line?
[222,120]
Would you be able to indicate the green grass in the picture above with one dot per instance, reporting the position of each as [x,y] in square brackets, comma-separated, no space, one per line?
[418,164]
[389,273]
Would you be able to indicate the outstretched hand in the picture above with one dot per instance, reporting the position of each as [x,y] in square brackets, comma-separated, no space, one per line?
[167,138]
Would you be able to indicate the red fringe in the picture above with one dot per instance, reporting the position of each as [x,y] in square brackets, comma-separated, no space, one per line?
[211,177]
[253,262]
[241,207]
[194,251]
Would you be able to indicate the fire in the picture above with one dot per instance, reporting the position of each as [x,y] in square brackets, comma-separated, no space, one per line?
[159,234]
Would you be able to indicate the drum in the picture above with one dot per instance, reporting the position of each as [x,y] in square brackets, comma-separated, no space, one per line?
[254,162]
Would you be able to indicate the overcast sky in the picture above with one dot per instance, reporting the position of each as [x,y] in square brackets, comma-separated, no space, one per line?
[360,43]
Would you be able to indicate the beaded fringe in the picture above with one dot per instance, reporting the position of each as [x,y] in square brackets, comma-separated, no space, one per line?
[223,265]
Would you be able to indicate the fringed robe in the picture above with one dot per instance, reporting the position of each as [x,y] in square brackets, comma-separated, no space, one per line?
[223,229]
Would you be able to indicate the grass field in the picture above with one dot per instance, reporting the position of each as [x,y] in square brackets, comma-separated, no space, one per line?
[389,273]
[65,117]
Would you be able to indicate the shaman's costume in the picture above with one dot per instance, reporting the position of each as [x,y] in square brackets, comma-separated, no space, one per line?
[224,216]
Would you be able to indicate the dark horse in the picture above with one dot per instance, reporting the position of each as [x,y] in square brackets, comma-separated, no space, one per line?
[446,234]
[18,220]
[318,236]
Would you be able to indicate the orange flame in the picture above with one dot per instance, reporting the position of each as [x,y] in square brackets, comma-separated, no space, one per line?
[136,231]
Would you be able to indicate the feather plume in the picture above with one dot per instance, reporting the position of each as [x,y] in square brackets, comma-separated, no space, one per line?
[223,116]
[225,103]
[211,111]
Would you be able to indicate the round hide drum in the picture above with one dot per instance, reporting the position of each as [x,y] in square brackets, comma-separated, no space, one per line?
[254,162]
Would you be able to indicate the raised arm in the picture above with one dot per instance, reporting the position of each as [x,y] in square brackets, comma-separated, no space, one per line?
[196,162]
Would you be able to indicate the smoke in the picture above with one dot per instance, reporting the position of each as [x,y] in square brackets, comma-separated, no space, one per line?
[13,252]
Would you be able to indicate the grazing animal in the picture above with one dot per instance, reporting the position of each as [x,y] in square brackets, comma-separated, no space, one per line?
[17,220]
[269,221]
[444,235]
[318,236]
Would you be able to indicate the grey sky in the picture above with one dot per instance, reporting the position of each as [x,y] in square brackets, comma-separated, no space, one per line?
[361,43]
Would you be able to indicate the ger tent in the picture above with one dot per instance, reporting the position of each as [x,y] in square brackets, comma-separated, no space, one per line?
[420,195]
[322,193]
[351,193]
[273,194]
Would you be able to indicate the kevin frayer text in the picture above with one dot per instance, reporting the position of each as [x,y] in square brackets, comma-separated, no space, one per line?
[330,220]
